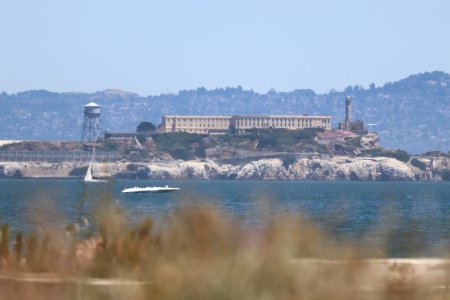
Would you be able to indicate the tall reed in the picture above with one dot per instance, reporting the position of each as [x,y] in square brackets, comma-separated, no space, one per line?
[200,253]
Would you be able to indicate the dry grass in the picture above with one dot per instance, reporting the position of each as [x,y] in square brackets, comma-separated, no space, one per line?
[199,253]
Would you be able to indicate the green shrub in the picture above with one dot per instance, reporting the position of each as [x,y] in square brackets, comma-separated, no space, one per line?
[78,172]
[401,155]
[179,144]
[183,154]
[132,167]
[170,141]
[145,127]
[322,148]
[281,139]
[418,164]
[354,142]
[109,145]
[142,172]
[200,152]
[397,154]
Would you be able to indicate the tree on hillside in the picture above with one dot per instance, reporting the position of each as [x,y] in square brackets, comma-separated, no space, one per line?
[145,127]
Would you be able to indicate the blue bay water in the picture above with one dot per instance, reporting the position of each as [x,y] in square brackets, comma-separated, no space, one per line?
[406,218]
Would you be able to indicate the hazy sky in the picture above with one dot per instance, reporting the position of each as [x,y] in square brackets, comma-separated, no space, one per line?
[153,47]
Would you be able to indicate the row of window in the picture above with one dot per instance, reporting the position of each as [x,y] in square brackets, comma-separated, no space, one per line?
[193,120]
[225,126]
[204,131]
[239,120]
[193,130]
[285,123]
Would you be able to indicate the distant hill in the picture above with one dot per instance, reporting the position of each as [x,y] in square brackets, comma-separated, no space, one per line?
[412,114]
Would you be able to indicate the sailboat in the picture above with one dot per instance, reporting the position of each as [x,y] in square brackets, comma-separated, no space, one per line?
[89,177]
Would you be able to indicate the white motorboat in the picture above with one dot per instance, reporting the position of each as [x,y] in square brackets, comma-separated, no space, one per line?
[150,189]
[89,177]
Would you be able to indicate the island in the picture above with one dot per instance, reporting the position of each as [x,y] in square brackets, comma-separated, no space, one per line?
[268,154]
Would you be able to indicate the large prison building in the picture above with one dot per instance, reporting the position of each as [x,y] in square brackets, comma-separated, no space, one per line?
[240,123]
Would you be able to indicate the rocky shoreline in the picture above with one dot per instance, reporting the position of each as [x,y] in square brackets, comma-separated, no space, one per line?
[344,168]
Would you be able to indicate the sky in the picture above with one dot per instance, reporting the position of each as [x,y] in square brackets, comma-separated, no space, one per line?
[153,47]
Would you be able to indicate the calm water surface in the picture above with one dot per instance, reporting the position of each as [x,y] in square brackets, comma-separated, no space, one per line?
[412,218]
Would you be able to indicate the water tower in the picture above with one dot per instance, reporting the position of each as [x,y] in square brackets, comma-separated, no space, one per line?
[91,125]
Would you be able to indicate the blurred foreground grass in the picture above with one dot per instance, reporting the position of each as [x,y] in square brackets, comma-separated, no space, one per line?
[200,253]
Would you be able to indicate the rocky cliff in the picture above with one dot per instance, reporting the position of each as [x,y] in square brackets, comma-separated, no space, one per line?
[308,168]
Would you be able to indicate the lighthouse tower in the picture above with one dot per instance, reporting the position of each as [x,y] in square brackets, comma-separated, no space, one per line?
[348,114]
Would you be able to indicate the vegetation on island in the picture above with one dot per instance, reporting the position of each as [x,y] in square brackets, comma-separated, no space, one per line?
[188,146]
[418,164]
[145,127]
[181,145]
[288,140]
[397,154]
[78,171]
